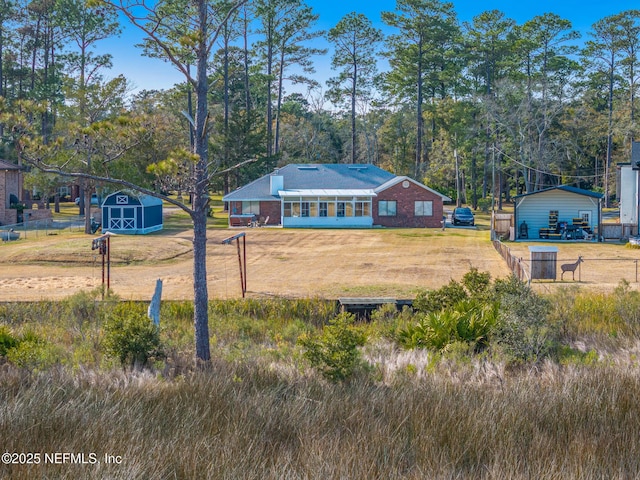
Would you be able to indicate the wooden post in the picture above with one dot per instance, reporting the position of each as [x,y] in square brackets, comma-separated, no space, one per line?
[153,312]
[241,269]
[103,245]
[242,258]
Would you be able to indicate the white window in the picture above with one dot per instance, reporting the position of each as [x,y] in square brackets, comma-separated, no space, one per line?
[250,207]
[304,209]
[122,200]
[586,216]
[387,208]
[423,208]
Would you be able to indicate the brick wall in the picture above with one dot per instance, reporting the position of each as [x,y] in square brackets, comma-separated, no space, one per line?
[405,207]
[9,184]
[267,209]
[271,210]
[4,198]
[37,214]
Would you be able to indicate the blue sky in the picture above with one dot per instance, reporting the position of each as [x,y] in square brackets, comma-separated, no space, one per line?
[145,73]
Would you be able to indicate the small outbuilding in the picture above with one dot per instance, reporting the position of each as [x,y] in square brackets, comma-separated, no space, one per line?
[558,213]
[131,213]
[543,262]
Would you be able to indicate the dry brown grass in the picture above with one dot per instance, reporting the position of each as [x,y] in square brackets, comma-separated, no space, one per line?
[245,421]
[295,263]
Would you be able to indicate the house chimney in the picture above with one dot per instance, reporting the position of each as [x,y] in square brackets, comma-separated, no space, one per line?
[277,182]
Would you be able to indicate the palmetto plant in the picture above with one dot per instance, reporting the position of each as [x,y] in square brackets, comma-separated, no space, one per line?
[469,321]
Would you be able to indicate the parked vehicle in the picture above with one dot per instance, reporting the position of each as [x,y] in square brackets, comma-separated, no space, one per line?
[94,200]
[463,216]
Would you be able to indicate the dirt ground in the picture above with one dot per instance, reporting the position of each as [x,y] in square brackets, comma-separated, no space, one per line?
[293,263]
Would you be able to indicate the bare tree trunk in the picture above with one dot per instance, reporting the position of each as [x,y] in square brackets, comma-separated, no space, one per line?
[201,199]
[354,138]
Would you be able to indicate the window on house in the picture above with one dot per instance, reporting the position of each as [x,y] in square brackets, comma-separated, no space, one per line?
[363,208]
[387,208]
[251,207]
[304,209]
[586,216]
[323,209]
[341,209]
[423,208]
[348,209]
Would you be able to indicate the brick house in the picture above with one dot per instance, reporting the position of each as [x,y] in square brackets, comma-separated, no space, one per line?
[11,193]
[336,195]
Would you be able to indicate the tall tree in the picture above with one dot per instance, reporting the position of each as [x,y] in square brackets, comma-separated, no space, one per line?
[355,43]
[184,32]
[420,56]
[603,53]
[286,28]
[629,41]
[489,41]
[84,27]
[544,46]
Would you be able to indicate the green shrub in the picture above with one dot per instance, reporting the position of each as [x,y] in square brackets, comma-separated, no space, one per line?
[34,353]
[131,337]
[386,312]
[477,284]
[470,322]
[7,341]
[436,300]
[334,352]
[525,332]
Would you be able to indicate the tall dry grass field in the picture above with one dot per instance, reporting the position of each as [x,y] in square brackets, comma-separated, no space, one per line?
[68,411]
[249,421]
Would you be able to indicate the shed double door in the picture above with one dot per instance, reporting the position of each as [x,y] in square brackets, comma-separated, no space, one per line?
[122,218]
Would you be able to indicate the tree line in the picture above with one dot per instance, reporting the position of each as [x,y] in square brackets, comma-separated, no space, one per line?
[478,108]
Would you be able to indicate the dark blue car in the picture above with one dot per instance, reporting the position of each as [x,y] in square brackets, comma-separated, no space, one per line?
[463,216]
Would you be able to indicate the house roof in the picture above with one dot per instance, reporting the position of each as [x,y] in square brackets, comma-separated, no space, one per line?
[396,180]
[327,192]
[145,200]
[339,179]
[4,165]
[566,188]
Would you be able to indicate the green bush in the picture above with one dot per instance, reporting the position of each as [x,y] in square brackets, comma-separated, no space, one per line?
[477,284]
[525,332]
[7,341]
[440,299]
[131,337]
[335,352]
[34,353]
[470,321]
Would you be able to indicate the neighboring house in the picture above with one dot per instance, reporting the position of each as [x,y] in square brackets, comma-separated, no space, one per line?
[561,212]
[336,195]
[628,191]
[130,213]
[10,192]
[12,197]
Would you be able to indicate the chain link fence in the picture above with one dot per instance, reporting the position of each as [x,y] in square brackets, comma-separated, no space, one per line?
[38,228]
[594,270]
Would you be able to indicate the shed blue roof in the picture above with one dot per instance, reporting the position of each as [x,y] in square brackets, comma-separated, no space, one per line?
[143,199]
[314,176]
[566,188]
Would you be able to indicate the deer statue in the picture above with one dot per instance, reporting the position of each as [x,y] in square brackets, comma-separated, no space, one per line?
[570,267]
